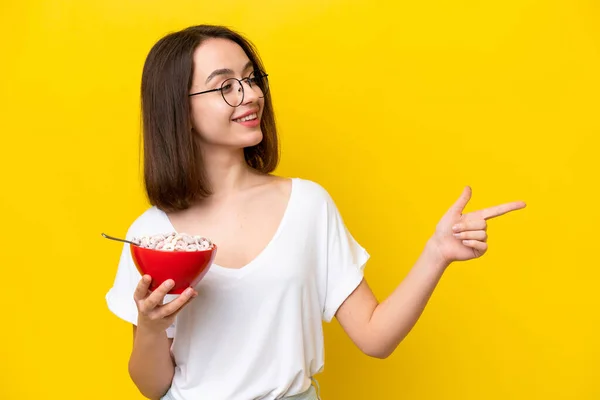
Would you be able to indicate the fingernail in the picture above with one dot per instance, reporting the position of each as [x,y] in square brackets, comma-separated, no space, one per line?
[456,235]
[455,227]
[170,283]
[188,291]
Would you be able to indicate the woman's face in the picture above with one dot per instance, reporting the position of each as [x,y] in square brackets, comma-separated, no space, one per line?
[213,120]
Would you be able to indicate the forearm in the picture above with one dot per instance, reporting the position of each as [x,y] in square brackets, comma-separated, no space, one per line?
[150,365]
[394,318]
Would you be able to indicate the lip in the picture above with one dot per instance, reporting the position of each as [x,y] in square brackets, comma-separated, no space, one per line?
[246,114]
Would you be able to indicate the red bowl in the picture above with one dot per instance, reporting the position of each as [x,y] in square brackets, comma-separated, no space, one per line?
[186,268]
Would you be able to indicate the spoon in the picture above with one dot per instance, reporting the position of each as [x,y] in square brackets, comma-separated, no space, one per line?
[119,240]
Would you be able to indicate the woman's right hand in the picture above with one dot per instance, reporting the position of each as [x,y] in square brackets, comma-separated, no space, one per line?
[153,315]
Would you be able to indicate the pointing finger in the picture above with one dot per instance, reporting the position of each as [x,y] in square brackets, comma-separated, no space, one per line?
[493,212]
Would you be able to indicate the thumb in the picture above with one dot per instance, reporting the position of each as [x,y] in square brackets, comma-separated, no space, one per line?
[462,201]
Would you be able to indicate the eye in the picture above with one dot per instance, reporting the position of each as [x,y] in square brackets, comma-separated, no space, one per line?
[226,87]
[254,78]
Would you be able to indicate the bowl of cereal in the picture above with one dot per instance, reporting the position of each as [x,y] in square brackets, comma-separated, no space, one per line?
[183,258]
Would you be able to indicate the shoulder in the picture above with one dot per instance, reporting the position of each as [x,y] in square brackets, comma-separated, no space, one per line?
[312,192]
[151,221]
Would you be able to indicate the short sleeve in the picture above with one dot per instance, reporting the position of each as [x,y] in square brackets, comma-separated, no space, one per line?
[120,296]
[346,260]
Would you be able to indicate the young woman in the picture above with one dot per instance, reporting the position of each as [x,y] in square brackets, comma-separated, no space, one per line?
[252,328]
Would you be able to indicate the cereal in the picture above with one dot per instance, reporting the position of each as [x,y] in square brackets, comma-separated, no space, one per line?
[173,242]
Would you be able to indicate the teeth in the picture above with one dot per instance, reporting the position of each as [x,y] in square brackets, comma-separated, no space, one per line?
[246,118]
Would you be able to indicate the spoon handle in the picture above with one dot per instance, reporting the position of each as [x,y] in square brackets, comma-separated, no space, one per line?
[119,240]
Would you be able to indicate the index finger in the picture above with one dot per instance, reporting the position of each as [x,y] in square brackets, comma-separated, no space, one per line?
[141,290]
[493,212]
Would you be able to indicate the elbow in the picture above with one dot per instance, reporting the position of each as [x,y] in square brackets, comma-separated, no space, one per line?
[381,354]
[377,350]
[376,345]
[151,396]
[150,393]
[150,389]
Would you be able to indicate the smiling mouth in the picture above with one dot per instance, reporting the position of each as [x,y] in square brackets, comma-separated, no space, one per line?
[250,117]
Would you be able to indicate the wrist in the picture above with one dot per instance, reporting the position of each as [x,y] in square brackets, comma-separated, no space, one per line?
[434,256]
[149,332]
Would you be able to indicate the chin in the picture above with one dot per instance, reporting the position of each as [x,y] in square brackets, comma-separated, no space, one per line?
[254,138]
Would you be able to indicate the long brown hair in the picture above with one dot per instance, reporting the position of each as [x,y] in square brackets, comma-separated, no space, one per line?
[173,173]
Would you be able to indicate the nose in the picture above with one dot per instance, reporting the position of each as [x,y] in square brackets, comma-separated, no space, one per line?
[251,93]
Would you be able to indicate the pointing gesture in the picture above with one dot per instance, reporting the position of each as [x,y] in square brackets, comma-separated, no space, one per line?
[461,237]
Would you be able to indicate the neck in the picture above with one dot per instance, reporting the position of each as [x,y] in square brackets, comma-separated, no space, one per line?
[227,171]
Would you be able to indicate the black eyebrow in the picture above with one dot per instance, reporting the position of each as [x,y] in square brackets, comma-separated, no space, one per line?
[225,71]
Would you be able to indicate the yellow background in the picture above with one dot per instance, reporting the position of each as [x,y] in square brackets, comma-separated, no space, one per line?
[393,107]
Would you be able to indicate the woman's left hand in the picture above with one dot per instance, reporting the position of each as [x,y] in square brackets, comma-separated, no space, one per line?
[461,237]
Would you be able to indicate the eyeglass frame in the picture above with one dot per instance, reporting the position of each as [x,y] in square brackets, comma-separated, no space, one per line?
[241,81]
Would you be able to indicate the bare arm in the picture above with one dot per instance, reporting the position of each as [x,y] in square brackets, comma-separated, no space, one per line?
[151,364]
[377,329]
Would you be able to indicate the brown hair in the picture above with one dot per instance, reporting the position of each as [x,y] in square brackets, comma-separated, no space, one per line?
[173,173]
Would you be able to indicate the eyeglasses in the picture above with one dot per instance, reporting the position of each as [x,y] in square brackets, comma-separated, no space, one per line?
[231,88]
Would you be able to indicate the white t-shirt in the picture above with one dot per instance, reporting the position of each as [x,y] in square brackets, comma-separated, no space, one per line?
[256,332]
